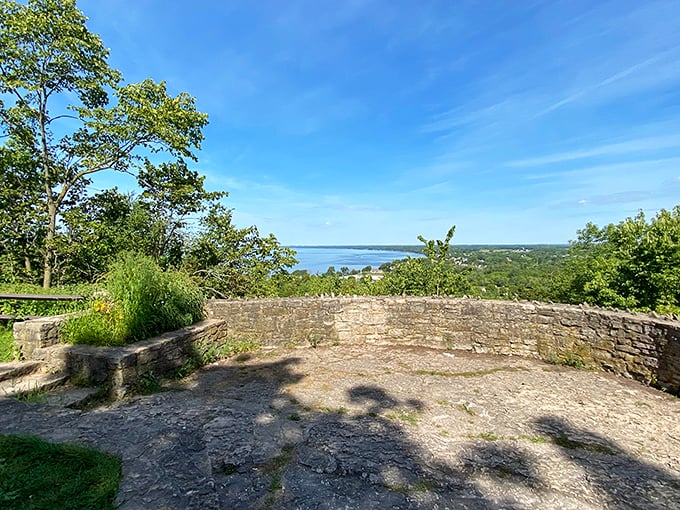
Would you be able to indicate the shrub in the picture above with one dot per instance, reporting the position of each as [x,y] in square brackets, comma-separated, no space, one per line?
[139,300]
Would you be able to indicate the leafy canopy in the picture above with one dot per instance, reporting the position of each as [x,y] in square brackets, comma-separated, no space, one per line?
[56,112]
[634,264]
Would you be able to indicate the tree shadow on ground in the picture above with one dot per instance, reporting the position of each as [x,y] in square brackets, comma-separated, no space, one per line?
[235,435]
[268,450]
[625,481]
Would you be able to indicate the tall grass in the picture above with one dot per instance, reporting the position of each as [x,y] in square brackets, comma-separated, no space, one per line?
[139,300]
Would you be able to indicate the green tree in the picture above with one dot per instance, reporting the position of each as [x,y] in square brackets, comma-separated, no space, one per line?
[232,261]
[48,58]
[96,231]
[171,193]
[434,275]
[437,252]
[635,264]
[22,224]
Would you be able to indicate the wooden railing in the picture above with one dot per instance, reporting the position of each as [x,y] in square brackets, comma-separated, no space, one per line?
[34,297]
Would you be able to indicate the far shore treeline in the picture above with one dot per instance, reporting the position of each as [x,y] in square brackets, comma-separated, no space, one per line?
[66,115]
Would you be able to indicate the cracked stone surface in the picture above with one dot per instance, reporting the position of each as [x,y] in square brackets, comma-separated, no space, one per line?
[350,427]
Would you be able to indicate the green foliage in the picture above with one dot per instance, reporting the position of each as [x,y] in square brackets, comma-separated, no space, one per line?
[37,474]
[170,193]
[635,264]
[33,396]
[55,79]
[569,359]
[512,272]
[26,308]
[148,384]
[301,283]
[432,276]
[140,300]
[211,353]
[228,348]
[8,351]
[64,115]
[437,252]
[22,223]
[230,261]
[420,277]
[409,417]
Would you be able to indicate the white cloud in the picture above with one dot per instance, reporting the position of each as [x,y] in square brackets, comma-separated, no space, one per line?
[629,146]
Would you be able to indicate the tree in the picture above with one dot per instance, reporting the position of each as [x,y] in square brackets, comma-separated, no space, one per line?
[21,224]
[48,58]
[437,252]
[96,231]
[231,261]
[434,275]
[634,264]
[170,193]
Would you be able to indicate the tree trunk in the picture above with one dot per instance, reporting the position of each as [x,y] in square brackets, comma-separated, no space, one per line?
[49,244]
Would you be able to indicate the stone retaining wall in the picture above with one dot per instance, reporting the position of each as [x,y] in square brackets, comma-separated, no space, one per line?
[35,334]
[122,368]
[640,346]
[644,347]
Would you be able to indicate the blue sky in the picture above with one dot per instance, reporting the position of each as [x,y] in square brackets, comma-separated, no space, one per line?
[373,121]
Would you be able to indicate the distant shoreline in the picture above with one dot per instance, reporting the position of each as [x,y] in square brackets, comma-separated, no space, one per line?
[419,248]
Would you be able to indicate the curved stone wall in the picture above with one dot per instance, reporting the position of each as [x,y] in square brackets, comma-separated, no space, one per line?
[640,346]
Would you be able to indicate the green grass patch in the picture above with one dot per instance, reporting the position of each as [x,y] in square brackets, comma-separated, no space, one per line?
[420,486]
[148,383]
[227,349]
[467,409]
[409,417]
[476,373]
[8,350]
[572,444]
[424,486]
[274,468]
[34,396]
[535,439]
[35,474]
[486,436]
[327,409]
[205,355]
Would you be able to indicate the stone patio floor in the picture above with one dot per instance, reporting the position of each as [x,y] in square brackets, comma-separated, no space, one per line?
[352,427]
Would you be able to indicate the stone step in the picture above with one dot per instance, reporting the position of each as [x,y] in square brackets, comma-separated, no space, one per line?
[71,396]
[32,386]
[17,369]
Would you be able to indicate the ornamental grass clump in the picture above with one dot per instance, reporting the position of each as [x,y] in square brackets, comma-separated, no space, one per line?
[139,301]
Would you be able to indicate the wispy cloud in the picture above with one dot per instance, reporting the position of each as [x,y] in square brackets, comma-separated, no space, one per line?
[619,77]
[627,147]
[378,120]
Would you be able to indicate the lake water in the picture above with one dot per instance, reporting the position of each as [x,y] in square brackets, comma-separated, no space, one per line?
[318,260]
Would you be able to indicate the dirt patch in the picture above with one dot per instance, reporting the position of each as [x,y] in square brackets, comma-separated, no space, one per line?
[383,427]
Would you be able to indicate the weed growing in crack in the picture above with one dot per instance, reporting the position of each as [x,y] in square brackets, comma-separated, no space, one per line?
[467,409]
[407,417]
[149,383]
[34,396]
[486,436]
